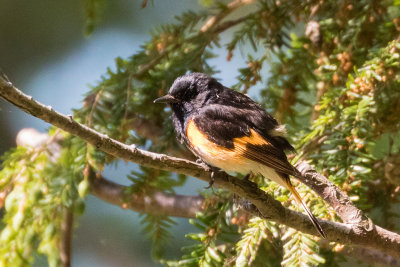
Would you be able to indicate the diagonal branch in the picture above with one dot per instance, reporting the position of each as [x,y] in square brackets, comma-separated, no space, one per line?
[187,207]
[336,198]
[376,238]
[163,204]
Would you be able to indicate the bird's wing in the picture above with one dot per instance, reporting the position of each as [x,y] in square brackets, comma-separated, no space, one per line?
[235,128]
[237,106]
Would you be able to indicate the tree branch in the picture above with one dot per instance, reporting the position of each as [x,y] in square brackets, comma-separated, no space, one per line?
[377,238]
[157,203]
[336,198]
[370,256]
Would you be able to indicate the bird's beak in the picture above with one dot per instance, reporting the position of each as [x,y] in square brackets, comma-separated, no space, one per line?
[166,99]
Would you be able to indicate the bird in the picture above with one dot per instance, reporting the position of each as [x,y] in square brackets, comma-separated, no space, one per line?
[228,130]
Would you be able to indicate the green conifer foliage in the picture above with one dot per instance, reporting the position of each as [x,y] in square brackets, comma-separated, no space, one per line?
[334,80]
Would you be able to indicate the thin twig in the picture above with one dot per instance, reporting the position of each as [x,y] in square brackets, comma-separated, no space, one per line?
[211,22]
[230,23]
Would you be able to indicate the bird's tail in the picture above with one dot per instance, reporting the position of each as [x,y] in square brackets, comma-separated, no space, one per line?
[300,201]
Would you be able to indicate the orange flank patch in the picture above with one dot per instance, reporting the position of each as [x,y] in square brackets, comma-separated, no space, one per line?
[222,157]
[199,141]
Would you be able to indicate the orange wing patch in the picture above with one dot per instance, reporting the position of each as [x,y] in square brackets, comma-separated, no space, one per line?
[254,139]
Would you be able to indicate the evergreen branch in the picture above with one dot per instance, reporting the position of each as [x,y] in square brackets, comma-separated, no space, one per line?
[300,250]
[247,247]
[145,68]
[156,228]
[372,237]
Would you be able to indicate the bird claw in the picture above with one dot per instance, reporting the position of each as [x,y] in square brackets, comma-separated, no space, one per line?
[204,164]
[208,167]
[210,184]
[213,172]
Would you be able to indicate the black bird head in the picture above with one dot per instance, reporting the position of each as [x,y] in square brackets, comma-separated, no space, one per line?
[189,87]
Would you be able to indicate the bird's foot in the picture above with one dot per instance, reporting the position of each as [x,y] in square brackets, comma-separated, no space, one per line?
[212,180]
[208,168]
[199,161]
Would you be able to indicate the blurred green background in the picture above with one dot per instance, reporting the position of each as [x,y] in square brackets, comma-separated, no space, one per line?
[44,52]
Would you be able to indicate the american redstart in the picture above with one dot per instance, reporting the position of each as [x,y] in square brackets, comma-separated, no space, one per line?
[228,130]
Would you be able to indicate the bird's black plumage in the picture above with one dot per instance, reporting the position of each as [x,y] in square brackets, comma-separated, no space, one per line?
[229,130]
[220,112]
